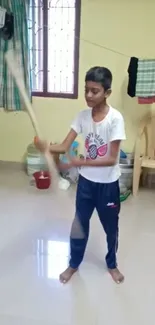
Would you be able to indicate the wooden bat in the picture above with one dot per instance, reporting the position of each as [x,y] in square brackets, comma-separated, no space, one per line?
[16,72]
[12,63]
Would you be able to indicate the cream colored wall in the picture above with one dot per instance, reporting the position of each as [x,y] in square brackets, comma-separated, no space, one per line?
[123,25]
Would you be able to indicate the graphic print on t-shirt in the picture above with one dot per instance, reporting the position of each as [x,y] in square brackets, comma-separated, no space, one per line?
[95,146]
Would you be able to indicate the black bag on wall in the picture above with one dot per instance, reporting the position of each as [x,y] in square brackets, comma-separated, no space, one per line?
[8,30]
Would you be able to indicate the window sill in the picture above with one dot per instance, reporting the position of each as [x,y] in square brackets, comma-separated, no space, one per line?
[55,95]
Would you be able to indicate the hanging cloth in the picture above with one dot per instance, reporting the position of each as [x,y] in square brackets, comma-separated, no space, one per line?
[132,71]
[10,98]
[8,29]
[145,85]
[2,17]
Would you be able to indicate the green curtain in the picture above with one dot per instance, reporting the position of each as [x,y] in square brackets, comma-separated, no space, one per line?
[9,94]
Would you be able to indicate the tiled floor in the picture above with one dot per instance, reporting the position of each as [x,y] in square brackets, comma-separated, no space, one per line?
[34,231]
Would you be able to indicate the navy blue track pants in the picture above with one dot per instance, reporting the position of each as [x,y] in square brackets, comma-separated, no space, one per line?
[105,198]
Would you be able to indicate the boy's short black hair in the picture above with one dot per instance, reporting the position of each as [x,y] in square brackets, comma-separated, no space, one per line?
[101,75]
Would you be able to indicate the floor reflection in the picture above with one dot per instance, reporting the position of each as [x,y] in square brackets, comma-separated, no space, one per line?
[52,258]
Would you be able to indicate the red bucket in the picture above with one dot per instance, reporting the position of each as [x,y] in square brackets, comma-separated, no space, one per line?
[43,180]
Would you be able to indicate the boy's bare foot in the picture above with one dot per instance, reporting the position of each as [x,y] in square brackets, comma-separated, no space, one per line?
[67,274]
[116,275]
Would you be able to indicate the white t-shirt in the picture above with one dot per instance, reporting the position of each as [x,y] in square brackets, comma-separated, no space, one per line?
[97,137]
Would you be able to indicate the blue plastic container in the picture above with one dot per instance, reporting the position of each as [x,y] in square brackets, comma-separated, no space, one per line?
[122,154]
[73,152]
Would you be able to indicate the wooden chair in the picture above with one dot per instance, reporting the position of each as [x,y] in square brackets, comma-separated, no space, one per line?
[147,160]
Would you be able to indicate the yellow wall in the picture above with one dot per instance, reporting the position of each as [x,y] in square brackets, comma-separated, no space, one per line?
[123,25]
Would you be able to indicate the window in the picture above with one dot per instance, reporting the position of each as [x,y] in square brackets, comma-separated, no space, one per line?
[54,30]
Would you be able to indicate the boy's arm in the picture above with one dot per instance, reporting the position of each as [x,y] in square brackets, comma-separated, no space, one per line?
[76,129]
[117,135]
[65,145]
[110,160]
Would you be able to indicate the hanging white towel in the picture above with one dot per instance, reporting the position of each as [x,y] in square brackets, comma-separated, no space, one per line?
[2,17]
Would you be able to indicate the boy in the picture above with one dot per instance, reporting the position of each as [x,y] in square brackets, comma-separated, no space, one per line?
[102,128]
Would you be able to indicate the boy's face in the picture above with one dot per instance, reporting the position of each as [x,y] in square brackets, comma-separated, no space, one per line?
[95,94]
